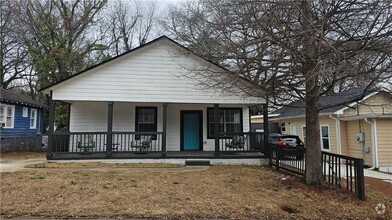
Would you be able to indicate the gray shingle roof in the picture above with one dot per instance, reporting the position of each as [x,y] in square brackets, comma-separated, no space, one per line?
[297,108]
[17,98]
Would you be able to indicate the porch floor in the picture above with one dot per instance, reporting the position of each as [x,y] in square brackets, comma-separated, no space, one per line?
[158,155]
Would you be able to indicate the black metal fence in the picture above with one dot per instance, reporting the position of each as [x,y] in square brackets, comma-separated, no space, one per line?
[244,141]
[289,159]
[342,172]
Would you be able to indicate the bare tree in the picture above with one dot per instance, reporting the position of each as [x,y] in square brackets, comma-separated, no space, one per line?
[291,50]
[14,60]
[129,24]
[58,42]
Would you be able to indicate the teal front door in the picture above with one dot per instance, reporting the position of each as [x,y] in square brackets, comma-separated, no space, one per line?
[191,130]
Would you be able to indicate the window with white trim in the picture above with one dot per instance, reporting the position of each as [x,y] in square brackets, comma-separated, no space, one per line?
[324,130]
[25,113]
[7,115]
[293,129]
[304,133]
[283,127]
[33,118]
[230,121]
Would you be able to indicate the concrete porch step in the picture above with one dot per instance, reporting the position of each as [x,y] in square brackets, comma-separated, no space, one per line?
[197,163]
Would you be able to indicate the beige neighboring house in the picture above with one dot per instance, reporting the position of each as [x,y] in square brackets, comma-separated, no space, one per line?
[361,129]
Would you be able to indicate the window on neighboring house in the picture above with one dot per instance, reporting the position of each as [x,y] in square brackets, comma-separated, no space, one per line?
[25,112]
[324,137]
[304,133]
[146,119]
[230,121]
[283,127]
[293,129]
[7,114]
[33,118]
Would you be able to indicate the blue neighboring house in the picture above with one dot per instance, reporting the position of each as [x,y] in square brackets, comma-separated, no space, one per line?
[21,122]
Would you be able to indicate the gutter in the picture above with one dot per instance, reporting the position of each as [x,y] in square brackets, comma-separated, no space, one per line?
[374,143]
[338,135]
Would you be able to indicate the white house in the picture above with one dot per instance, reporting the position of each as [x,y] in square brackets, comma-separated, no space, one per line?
[150,102]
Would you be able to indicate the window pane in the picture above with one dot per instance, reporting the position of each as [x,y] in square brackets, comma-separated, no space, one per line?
[8,122]
[146,119]
[25,111]
[2,114]
[9,111]
[324,131]
[229,121]
[237,117]
[229,128]
[325,144]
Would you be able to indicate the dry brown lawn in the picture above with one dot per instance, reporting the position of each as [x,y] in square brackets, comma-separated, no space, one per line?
[237,192]
[102,165]
[22,155]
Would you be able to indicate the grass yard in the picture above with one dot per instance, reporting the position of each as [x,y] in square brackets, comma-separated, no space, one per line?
[239,192]
[98,165]
[22,155]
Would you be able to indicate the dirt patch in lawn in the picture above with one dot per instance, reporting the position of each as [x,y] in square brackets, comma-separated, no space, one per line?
[237,192]
[22,155]
[103,165]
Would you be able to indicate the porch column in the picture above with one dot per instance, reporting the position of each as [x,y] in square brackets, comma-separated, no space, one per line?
[267,147]
[52,110]
[216,128]
[164,129]
[110,130]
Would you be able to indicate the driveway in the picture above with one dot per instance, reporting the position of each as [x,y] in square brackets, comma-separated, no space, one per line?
[15,165]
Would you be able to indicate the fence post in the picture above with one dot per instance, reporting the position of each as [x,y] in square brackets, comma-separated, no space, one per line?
[360,179]
[277,155]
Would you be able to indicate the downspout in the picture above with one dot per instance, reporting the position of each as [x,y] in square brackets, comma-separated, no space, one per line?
[375,142]
[374,147]
[338,140]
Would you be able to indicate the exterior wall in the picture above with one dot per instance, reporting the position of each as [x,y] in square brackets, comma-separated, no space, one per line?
[92,116]
[384,142]
[22,124]
[156,73]
[258,120]
[380,103]
[300,122]
[21,136]
[343,138]
[353,147]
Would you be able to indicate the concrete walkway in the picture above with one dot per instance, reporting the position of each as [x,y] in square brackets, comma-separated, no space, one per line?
[15,165]
[378,175]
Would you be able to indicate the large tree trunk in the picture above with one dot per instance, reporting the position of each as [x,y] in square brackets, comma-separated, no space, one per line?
[313,165]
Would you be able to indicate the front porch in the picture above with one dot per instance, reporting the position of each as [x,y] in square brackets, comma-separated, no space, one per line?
[173,137]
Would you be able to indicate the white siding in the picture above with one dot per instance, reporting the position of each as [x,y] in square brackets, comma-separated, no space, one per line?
[155,73]
[92,116]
